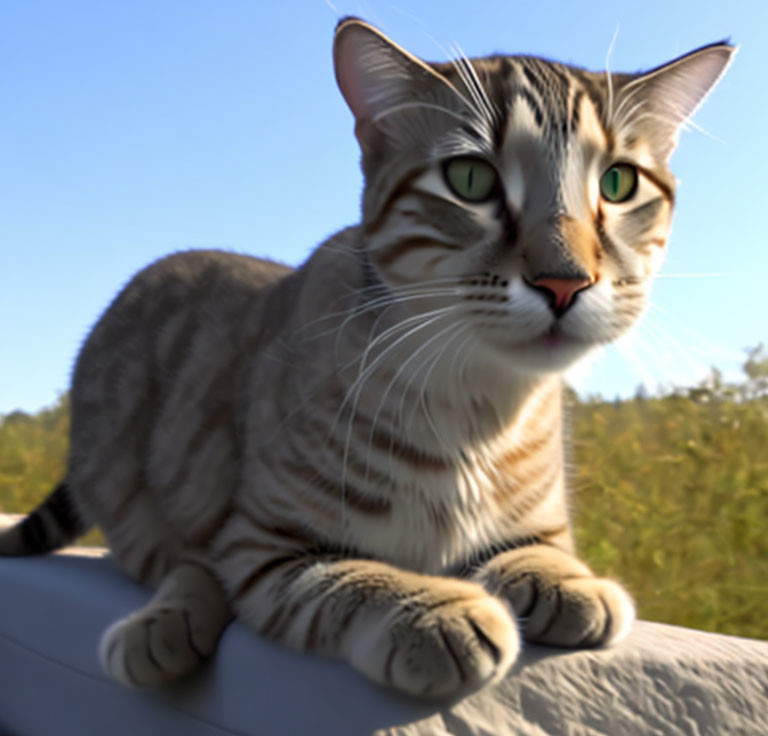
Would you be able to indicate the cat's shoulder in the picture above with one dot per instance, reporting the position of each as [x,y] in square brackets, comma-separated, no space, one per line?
[214,269]
[193,264]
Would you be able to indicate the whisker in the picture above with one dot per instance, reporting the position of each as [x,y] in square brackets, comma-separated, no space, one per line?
[430,294]
[710,347]
[397,327]
[608,77]
[358,310]
[690,123]
[715,274]
[660,360]
[626,348]
[388,293]
[422,402]
[485,109]
[355,389]
[425,105]
[670,358]
[406,389]
[448,55]
[371,342]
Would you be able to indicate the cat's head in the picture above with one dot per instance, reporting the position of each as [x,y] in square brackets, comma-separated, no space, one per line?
[532,199]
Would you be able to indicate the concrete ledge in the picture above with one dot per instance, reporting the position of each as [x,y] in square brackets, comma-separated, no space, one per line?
[661,680]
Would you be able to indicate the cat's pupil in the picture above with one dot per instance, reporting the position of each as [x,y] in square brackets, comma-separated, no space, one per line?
[471,179]
[615,177]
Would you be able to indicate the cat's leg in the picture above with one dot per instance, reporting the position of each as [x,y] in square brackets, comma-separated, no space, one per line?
[170,636]
[557,597]
[420,634]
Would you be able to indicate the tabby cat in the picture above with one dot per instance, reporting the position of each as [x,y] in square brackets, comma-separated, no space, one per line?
[363,457]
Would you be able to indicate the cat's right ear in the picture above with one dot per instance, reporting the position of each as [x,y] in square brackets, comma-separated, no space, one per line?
[380,79]
[657,103]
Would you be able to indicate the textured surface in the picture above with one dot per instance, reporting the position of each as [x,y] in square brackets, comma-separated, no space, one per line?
[661,680]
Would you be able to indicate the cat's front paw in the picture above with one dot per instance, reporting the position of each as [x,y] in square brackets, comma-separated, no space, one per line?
[576,612]
[557,598]
[453,649]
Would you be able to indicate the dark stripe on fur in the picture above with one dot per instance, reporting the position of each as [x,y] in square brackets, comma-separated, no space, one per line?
[605,240]
[351,497]
[665,187]
[397,193]
[533,104]
[467,568]
[498,85]
[396,249]
[33,535]
[382,439]
[52,525]
[533,78]
[546,536]
[575,110]
[255,576]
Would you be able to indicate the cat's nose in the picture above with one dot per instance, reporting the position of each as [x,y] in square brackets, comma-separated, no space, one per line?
[561,291]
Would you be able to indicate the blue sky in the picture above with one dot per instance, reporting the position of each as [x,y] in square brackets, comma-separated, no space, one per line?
[130,130]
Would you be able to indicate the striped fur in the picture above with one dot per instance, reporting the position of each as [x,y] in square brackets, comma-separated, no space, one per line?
[363,457]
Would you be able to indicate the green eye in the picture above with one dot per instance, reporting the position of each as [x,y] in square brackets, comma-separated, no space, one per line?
[618,184]
[471,178]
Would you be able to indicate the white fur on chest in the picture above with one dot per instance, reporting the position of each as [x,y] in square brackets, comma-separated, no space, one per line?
[430,529]
[443,518]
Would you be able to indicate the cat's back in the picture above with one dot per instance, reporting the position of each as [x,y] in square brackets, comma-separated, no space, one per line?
[156,388]
[188,278]
[179,324]
[182,295]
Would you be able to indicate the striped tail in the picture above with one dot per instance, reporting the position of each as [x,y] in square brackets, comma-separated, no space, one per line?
[52,525]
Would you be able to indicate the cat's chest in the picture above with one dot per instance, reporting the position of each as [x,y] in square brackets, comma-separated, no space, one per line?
[432,533]
[448,518]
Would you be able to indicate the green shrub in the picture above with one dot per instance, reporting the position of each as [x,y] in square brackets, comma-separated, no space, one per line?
[671,496]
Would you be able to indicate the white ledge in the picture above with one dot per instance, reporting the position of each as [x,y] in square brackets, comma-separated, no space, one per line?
[660,680]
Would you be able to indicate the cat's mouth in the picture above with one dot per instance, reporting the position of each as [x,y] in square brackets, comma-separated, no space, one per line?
[556,346]
[553,336]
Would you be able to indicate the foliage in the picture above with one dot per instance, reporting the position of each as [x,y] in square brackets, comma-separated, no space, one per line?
[671,496]
[33,458]
[32,455]
[670,493]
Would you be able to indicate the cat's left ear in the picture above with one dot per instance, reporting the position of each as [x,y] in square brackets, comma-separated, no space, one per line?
[388,90]
[661,100]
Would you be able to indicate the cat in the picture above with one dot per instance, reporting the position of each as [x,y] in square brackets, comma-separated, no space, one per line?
[363,457]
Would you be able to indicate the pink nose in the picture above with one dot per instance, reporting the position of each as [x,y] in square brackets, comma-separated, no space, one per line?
[562,291]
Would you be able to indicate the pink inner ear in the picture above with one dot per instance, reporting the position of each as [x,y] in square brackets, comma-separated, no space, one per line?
[349,73]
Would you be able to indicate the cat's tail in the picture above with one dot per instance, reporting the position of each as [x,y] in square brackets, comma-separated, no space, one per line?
[55,523]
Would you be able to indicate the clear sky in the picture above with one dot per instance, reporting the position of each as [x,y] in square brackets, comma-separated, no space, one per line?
[132,129]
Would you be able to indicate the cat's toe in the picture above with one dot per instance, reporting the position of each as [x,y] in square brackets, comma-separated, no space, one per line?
[557,598]
[149,648]
[578,612]
[451,651]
